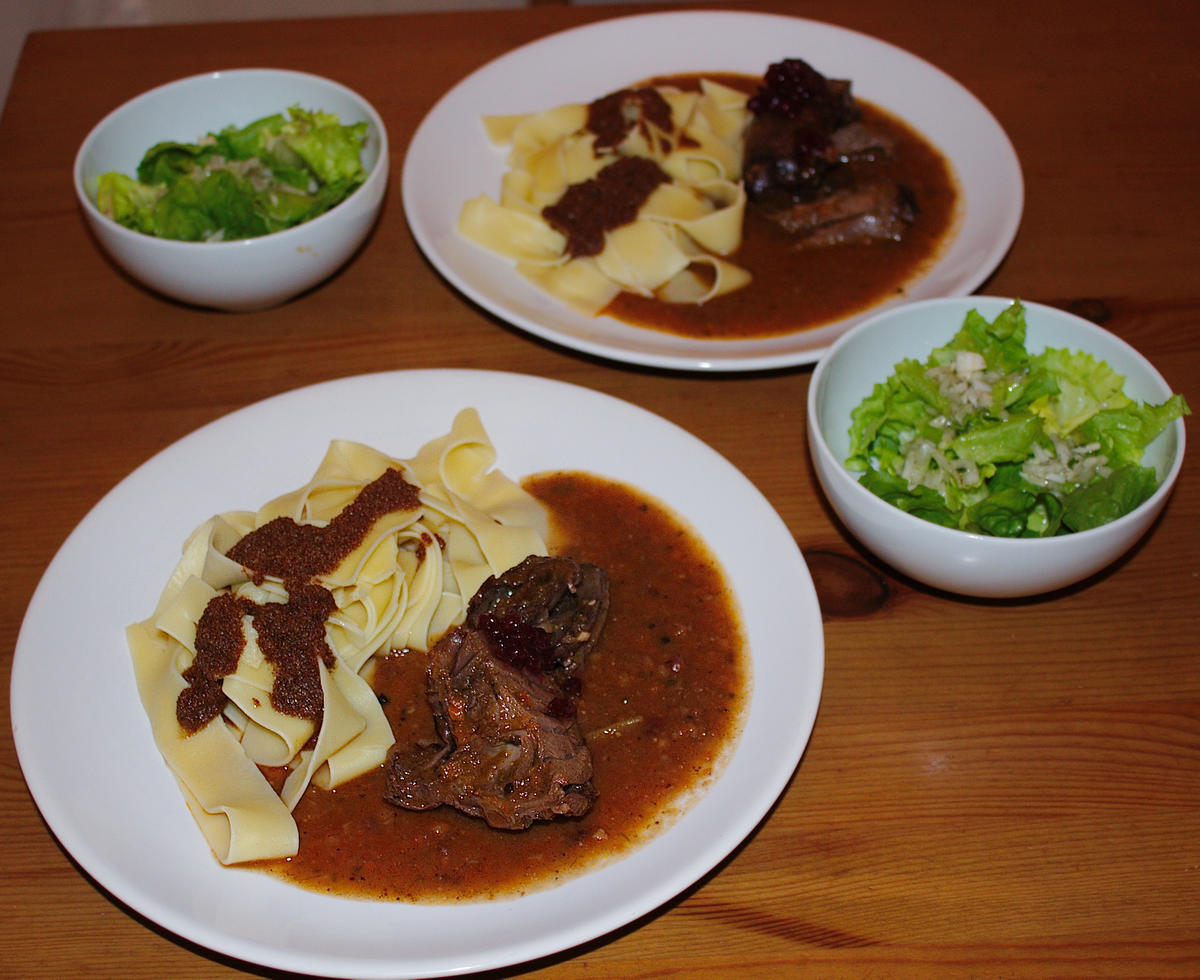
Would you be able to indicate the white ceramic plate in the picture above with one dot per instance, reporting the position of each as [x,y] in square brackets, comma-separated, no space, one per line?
[450,161]
[87,753]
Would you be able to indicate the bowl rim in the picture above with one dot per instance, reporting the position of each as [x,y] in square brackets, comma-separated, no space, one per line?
[377,173]
[879,506]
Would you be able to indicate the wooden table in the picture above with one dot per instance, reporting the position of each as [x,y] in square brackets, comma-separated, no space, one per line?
[1019,801]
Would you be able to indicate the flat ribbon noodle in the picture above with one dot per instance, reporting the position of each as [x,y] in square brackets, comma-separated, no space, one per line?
[404,584]
[239,814]
[704,202]
[579,283]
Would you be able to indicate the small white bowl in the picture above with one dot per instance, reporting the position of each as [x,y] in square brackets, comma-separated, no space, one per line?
[253,273]
[959,561]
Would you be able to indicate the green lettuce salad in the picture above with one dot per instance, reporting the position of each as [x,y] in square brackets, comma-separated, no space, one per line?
[985,437]
[275,173]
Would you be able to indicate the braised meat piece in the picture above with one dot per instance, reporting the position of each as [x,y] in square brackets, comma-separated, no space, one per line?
[563,598]
[507,753]
[859,143]
[877,210]
[788,144]
[503,688]
[812,164]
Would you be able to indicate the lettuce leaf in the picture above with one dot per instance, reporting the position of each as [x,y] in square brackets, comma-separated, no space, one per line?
[921,502]
[1006,441]
[128,201]
[1109,497]
[165,163]
[1014,508]
[1085,387]
[330,150]
[883,422]
[1124,433]
[193,210]
[1001,342]
[251,140]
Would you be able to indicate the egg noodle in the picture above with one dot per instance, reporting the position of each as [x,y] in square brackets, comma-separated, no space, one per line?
[674,248]
[404,584]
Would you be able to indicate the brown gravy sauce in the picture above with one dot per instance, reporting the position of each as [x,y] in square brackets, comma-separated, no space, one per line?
[662,704]
[794,290]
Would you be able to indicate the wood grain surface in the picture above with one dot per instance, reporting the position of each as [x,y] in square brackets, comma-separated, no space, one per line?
[992,789]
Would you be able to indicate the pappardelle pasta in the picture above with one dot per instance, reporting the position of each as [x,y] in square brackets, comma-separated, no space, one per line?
[668,240]
[256,652]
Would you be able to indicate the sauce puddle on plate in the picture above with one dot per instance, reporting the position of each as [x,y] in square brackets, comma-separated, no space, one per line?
[664,692]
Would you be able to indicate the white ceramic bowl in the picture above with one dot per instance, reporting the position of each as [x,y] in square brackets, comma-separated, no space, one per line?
[253,273]
[958,561]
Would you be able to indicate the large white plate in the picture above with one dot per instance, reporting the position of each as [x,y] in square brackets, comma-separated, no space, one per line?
[85,746]
[450,161]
